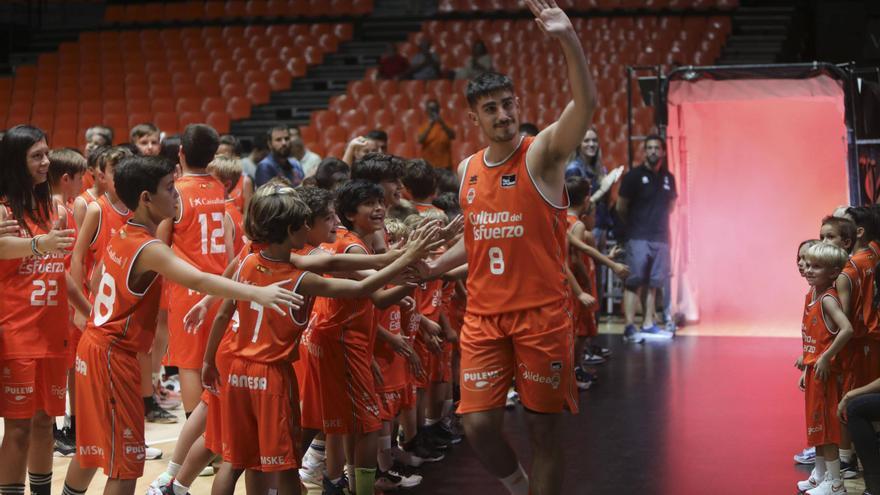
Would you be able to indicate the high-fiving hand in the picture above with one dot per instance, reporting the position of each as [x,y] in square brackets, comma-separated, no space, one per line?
[550,18]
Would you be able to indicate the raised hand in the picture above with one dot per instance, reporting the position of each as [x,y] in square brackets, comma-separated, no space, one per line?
[56,240]
[550,18]
[274,296]
[8,227]
[194,318]
[453,228]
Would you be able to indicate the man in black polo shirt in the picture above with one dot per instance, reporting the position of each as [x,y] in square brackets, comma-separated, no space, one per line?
[647,196]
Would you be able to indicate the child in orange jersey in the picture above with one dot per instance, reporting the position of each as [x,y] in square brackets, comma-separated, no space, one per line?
[34,315]
[228,172]
[421,184]
[66,169]
[93,192]
[146,137]
[111,431]
[825,332]
[243,189]
[259,371]
[197,235]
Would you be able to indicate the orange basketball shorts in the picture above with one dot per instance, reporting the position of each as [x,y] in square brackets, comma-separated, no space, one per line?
[308,378]
[535,346]
[31,385]
[821,399]
[260,420]
[110,434]
[186,350]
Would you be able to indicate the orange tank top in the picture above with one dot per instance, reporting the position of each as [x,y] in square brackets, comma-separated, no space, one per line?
[235,216]
[263,335]
[815,329]
[863,312]
[198,236]
[121,316]
[33,309]
[109,223]
[514,237]
[236,195]
[355,315]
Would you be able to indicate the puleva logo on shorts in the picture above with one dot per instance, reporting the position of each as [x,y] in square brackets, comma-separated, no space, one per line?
[528,375]
[479,379]
[18,392]
[136,450]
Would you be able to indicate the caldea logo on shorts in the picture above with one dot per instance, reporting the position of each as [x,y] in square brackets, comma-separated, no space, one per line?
[479,379]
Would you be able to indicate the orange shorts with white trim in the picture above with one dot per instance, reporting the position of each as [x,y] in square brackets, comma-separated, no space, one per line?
[213,423]
[260,420]
[110,434]
[536,345]
[821,399]
[308,379]
[31,385]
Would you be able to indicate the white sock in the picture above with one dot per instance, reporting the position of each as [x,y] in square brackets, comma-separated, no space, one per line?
[819,470]
[846,455]
[447,407]
[172,469]
[316,451]
[833,468]
[431,422]
[179,489]
[517,483]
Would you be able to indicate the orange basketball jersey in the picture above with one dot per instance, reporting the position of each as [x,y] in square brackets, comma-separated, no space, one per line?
[109,223]
[33,309]
[121,316]
[263,335]
[815,329]
[198,234]
[236,195]
[235,216]
[514,236]
[423,207]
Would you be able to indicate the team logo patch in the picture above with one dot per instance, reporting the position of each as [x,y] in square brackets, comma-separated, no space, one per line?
[471,194]
[508,180]
[556,365]
[472,180]
[262,269]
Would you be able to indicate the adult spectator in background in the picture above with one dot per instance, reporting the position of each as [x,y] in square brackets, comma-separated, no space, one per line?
[308,160]
[332,173]
[98,136]
[528,129]
[259,150]
[479,62]
[393,65]
[436,138]
[424,65]
[381,139]
[647,195]
[278,162]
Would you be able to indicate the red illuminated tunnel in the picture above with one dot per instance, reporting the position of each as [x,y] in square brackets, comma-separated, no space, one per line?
[759,163]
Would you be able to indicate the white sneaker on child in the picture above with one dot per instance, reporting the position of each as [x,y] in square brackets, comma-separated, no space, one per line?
[809,483]
[828,487]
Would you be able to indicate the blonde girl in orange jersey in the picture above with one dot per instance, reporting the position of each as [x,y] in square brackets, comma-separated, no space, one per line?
[33,312]
[111,432]
[513,198]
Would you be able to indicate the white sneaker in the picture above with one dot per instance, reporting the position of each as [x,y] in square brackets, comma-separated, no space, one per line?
[828,487]
[809,483]
[208,471]
[407,481]
[153,453]
[155,487]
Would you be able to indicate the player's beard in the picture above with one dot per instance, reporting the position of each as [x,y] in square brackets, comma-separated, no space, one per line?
[504,134]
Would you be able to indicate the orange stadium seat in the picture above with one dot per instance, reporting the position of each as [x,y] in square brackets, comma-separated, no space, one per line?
[258,92]
[238,107]
[333,135]
[352,119]
[323,119]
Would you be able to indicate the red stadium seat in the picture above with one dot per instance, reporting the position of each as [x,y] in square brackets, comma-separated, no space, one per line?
[297,67]
[214,10]
[369,104]
[258,93]
[359,89]
[323,119]
[279,80]
[238,108]
[213,104]
[136,118]
[337,150]
[334,135]
[232,89]
[352,119]
[398,103]
[381,118]
[188,105]
[167,122]
[309,135]
[187,118]
[342,103]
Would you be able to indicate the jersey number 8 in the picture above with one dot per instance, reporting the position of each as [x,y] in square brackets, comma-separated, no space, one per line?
[496,260]
[104,299]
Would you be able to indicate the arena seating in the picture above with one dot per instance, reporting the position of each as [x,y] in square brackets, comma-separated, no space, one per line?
[171,77]
[538,70]
[488,6]
[201,10]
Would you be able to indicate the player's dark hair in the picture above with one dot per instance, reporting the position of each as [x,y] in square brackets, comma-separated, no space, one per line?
[16,184]
[353,194]
[93,161]
[845,227]
[318,201]
[170,149]
[401,210]
[654,137]
[377,167]
[420,179]
[136,174]
[273,213]
[279,128]
[448,202]
[230,140]
[200,143]
[330,172]
[578,189]
[142,130]
[65,161]
[864,218]
[486,84]
[113,156]
[377,135]
[447,181]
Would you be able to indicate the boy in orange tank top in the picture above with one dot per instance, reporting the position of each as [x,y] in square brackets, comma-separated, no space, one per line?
[111,432]
[825,332]
[514,203]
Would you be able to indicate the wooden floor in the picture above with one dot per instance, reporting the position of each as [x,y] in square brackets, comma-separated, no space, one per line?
[718,415]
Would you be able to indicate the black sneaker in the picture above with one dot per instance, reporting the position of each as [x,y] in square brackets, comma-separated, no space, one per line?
[65,445]
[849,470]
[160,416]
[339,488]
[441,431]
[386,482]
[600,351]
[417,448]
